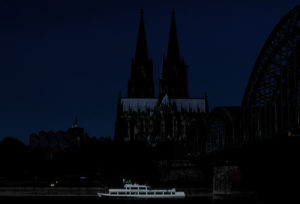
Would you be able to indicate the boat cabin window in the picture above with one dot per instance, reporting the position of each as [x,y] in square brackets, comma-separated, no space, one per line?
[113,193]
[173,193]
[159,193]
[133,193]
[134,188]
[121,193]
[142,188]
[142,193]
[167,193]
[150,193]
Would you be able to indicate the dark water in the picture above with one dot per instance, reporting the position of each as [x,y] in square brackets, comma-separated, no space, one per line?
[94,200]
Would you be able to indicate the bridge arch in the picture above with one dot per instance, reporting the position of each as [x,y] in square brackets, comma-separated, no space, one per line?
[272,97]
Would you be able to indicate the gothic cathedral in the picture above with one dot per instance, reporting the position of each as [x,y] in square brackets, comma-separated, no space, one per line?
[172,116]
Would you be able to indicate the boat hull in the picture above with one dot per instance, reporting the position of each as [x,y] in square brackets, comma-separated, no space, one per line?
[178,195]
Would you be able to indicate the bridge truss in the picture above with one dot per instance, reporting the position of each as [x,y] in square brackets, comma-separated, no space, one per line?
[272,98]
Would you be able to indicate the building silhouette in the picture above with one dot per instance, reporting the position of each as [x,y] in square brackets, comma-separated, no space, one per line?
[52,142]
[173,115]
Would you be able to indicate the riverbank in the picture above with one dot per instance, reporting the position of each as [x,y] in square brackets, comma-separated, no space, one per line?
[49,191]
[80,192]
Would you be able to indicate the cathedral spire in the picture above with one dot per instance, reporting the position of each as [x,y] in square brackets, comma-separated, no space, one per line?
[141,84]
[174,70]
[173,55]
[141,53]
[162,71]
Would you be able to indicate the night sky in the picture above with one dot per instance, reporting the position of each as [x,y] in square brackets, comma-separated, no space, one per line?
[65,58]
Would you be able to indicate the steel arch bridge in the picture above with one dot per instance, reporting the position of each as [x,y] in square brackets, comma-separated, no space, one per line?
[272,98]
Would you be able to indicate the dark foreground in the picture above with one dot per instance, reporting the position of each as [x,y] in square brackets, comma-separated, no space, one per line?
[90,200]
[94,200]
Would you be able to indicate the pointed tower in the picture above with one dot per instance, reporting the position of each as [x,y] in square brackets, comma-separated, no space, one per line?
[173,80]
[75,122]
[173,56]
[141,83]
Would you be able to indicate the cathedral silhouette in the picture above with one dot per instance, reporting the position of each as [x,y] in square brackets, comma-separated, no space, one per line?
[173,115]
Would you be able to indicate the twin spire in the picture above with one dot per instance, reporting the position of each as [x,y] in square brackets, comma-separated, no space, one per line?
[141,53]
[173,55]
[141,83]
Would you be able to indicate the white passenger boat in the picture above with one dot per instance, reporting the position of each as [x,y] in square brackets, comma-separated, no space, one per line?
[137,191]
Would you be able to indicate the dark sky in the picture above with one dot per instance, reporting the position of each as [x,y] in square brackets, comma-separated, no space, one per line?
[65,58]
